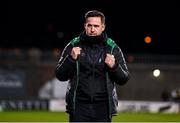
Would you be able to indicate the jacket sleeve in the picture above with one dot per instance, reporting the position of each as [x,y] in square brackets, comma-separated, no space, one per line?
[119,73]
[66,64]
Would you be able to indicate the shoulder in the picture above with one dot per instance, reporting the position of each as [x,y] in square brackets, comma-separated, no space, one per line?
[115,48]
[110,42]
[72,42]
[75,41]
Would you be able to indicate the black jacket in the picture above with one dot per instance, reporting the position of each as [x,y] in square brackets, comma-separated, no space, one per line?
[90,79]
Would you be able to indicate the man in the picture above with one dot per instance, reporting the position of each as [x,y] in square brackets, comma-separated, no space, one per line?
[93,63]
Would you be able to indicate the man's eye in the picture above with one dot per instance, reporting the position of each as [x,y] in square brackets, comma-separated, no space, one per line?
[89,25]
[96,26]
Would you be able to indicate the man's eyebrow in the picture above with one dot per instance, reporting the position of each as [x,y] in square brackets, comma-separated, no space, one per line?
[92,25]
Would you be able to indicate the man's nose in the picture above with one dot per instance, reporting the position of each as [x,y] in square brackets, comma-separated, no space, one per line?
[92,29]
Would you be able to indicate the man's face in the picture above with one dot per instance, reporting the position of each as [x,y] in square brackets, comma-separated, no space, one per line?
[94,26]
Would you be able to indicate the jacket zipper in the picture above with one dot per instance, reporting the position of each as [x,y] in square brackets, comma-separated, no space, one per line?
[93,65]
[92,95]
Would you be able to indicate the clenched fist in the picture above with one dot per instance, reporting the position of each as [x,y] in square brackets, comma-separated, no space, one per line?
[75,52]
[110,60]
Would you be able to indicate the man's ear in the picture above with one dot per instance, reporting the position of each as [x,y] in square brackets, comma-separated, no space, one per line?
[103,27]
[84,25]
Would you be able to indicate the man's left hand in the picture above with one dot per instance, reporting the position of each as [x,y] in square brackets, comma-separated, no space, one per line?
[110,60]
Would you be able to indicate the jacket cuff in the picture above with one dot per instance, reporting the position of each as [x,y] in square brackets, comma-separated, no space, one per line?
[115,67]
[70,59]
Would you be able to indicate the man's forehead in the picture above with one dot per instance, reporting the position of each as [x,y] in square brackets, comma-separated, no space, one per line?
[94,20]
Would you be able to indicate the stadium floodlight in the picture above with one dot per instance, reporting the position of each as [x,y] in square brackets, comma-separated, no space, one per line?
[156,73]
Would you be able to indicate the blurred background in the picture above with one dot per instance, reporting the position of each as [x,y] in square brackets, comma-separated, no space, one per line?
[37,31]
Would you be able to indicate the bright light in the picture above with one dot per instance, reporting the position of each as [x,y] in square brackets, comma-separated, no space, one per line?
[147,39]
[156,72]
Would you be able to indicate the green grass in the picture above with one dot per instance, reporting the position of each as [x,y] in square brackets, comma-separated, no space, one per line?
[63,117]
[146,117]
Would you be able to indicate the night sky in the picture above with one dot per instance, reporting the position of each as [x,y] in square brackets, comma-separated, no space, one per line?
[52,23]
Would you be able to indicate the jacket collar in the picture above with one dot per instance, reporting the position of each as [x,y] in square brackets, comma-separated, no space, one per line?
[91,40]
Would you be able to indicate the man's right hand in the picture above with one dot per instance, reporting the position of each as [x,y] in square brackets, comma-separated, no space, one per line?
[75,52]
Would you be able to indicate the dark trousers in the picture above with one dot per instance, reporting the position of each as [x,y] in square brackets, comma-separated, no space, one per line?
[90,112]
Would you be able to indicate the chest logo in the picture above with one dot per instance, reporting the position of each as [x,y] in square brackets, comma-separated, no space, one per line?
[100,60]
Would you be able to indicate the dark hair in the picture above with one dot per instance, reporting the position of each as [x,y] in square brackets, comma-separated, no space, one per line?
[95,13]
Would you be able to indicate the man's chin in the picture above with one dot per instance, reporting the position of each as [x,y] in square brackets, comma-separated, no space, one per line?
[93,35]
